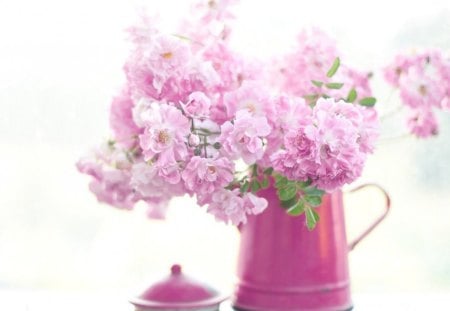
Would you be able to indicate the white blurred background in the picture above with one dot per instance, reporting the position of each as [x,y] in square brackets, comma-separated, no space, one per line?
[60,64]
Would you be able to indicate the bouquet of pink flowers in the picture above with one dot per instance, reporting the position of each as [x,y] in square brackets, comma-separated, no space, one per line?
[423,80]
[197,118]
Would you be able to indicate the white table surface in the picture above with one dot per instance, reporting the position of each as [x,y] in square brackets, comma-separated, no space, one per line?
[25,300]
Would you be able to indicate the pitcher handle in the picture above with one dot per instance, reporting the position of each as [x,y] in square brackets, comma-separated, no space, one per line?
[352,245]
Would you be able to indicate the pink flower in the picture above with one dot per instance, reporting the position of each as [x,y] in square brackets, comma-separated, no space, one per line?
[424,83]
[113,188]
[421,88]
[244,137]
[169,171]
[338,152]
[328,151]
[289,112]
[142,110]
[310,60]
[232,68]
[251,96]
[165,133]
[254,204]
[364,121]
[228,206]
[423,123]
[154,190]
[167,56]
[197,106]
[297,162]
[146,181]
[157,210]
[111,185]
[397,68]
[204,175]
[121,120]
[140,79]
[163,68]
[420,78]
[207,21]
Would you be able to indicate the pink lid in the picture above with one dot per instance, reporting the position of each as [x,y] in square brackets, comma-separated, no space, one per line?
[178,291]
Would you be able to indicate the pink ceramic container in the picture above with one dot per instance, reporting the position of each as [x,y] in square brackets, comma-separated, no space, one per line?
[178,292]
[284,267]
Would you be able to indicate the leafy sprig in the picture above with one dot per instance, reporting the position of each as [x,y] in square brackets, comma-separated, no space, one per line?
[323,86]
[299,197]
[296,197]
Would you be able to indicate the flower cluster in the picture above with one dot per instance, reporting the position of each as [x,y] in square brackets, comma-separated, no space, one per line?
[192,109]
[423,80]
[312,56]
[330,148]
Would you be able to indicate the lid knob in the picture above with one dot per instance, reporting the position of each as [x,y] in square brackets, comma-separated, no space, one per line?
[176,269]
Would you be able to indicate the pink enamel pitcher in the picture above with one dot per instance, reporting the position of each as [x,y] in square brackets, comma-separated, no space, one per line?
[284,267]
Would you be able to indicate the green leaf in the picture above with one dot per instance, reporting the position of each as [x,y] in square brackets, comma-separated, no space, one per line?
[255,186]
[289,203]
[317,83]
[245,186]
[280,181]
[368,101]
[313,200]
[334,85]
[311,97]
[313,191]
[287,192]
[268,171]
[311,218]
[297,209]
[351,96]
[265,183]
[181,37]
[304,184]
[334,68]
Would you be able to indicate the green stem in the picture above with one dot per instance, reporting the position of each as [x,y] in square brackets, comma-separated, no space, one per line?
[254,170]
[205,131]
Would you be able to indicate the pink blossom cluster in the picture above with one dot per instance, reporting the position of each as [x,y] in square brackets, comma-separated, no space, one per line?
[423,80]
[312,57]
[191,107]
[119,182]
[329,146]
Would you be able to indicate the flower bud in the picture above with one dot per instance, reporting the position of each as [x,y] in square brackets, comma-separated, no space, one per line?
[193,140]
